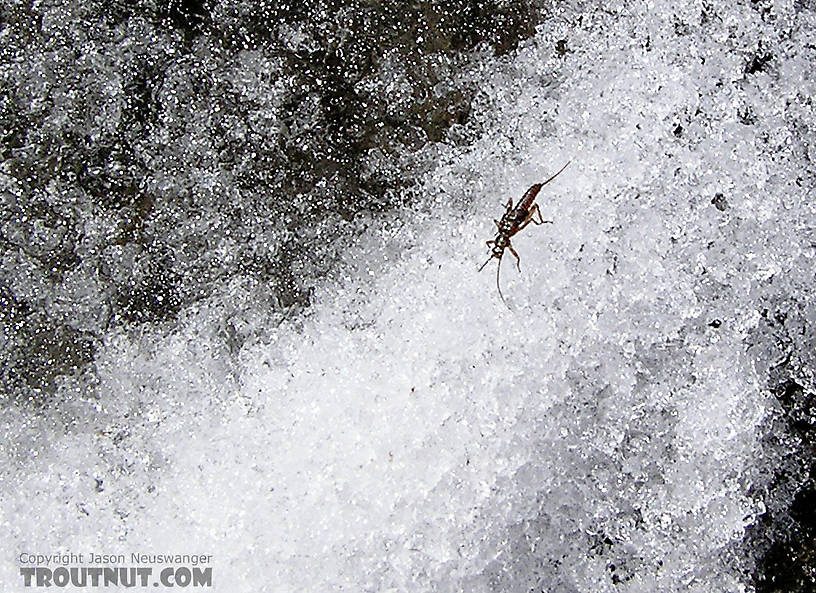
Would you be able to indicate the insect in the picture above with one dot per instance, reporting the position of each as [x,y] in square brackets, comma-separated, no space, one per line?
[514,220]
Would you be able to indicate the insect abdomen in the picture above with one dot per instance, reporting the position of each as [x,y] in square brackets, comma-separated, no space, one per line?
[529,197]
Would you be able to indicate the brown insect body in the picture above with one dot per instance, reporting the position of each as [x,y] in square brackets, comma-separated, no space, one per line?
[513,221]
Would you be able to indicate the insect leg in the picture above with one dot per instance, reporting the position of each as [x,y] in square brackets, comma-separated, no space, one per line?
[529,218]
[540,218]
[518,259]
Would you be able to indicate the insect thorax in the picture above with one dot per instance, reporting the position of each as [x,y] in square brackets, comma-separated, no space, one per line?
[520,217]
[506,225]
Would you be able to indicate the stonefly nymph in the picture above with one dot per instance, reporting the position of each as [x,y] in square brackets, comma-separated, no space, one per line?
[513,221]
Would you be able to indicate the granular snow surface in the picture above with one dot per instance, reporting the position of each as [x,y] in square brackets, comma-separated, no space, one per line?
[606,430]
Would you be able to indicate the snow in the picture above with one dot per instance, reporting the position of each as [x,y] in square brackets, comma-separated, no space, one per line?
[410,432]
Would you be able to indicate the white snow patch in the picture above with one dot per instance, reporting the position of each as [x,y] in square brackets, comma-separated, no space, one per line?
[414,434]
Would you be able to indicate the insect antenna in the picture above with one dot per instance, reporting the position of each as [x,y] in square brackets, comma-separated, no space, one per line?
[498,286]
[484,264]
[498,271]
